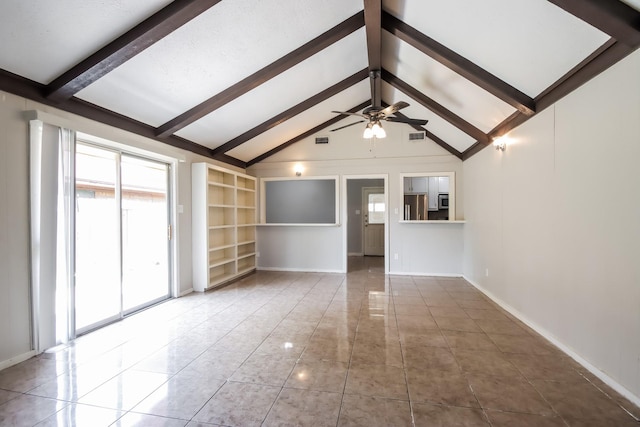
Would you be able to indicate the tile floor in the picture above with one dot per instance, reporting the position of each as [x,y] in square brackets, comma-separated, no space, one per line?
[285,349]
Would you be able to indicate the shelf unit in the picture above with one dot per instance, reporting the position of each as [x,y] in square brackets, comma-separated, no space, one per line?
[224,225]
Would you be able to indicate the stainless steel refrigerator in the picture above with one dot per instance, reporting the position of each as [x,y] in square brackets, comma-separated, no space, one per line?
[416,207]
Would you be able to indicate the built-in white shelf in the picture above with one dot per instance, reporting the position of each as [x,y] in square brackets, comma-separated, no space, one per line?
[223,225]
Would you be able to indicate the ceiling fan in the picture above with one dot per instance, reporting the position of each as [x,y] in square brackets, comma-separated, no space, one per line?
[374,114]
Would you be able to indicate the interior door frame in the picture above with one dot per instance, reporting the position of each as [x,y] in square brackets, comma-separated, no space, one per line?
[364,221]
[345,215]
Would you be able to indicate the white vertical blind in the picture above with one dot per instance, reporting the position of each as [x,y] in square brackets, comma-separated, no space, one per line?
[51,182]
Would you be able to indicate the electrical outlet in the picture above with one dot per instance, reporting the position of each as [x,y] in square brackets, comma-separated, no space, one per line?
[395,211]
[486,272]
[257,254]
[395,256]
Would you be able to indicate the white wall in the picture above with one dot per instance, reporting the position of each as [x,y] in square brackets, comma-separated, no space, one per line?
[15,327]
[556,221]
[421,248]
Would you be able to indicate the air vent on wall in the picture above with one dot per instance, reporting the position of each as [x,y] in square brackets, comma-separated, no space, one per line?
[416,136]
[322,140]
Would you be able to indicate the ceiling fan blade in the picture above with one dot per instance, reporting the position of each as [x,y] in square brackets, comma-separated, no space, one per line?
[346,113]
[407,120]
[393,108]
[346,126]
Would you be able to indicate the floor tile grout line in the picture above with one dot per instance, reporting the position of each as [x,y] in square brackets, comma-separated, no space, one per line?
[404,365]
[184,367]
[611,398]
[346,379]
[128,340]
[294,365]
[173,375]
[482,408]
[485,415]
[227,380]
[298,359]
[528,381]
[67,403]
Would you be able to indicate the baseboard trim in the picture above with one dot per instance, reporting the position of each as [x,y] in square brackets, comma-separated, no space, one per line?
[422,274]
[186,292]
[299,270]
[17,359]
[567,350]
[355,254]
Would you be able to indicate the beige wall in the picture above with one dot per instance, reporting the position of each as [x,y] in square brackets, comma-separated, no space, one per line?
[15,326]
[556,221]
[428,249]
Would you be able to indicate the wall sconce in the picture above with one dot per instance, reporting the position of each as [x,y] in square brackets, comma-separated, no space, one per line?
[298,169]
[500,143]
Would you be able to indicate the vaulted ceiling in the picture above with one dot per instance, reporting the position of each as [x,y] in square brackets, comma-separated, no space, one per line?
[240,80]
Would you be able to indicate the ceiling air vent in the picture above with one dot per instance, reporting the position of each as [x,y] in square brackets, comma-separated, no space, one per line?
[416,136]
[322,140]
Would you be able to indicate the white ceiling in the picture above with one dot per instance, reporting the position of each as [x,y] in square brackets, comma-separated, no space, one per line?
[528,44]
[41,39]
[279,94]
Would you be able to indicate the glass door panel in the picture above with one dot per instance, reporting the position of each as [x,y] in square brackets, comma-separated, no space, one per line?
[145,228]
[97,281]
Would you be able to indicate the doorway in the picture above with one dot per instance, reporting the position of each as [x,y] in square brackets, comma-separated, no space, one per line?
[122,235]
[366,213]
[374,209]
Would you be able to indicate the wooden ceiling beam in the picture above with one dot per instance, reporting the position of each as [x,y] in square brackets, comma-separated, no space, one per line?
[511,122]
[613,17]
[307,134]
[267,73]
[125,47]
[608,54]
[373,25]
[293,111]
[20,86]
[459,64]
[438,109]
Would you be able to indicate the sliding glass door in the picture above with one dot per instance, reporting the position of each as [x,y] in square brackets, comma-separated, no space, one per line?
[145,233]
[122,239]
[97,280]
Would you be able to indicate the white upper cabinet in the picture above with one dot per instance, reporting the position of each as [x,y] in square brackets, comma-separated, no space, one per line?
[443,184]
[413,185]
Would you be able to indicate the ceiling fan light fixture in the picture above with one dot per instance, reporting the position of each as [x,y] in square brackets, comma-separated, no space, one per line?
[378,131]
[368,132]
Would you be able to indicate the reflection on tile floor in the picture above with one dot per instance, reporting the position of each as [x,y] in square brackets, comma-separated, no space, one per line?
[361,349]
